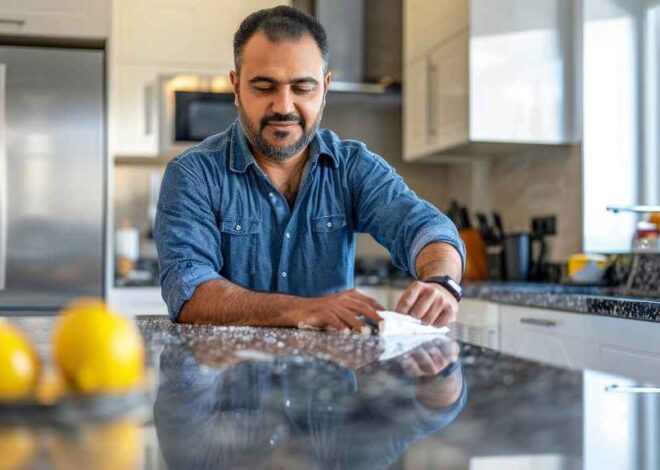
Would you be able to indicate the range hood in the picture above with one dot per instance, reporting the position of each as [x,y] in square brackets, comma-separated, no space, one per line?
[365,50]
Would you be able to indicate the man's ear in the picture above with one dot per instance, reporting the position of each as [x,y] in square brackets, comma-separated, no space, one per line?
[233,78]
[326,83]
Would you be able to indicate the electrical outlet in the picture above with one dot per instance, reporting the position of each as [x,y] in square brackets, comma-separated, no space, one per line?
[544,225]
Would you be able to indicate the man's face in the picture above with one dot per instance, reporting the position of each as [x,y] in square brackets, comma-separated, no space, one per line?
[280,93]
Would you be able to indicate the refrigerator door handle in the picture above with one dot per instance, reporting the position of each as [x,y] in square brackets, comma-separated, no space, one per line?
[4,193]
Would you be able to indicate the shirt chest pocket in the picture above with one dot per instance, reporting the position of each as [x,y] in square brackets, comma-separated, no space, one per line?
[330,240]
[328,223]
[239,244]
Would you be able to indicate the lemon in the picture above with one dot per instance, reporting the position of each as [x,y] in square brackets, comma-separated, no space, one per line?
[18,447]
[97,350]
[116,445]
[19,364]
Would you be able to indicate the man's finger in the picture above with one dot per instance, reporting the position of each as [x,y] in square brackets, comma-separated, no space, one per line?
[447,316]
[408,298]
[425,362]
[434,312]
[348,317]
[440,360]
[411,367]
[363,308]
[423,306]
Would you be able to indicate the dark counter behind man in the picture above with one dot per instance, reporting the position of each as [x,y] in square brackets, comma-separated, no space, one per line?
[256,225]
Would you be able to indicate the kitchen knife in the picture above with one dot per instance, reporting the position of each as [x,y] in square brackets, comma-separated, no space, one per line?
[498,225]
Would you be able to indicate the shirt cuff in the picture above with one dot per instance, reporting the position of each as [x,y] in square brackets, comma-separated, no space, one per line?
[434,235]
[180,285]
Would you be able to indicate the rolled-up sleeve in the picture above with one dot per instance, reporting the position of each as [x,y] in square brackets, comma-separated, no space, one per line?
[393,214]
[186,234]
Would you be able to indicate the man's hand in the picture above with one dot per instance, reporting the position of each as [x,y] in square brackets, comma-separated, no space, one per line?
[336,312]
[429,302]
[431,358]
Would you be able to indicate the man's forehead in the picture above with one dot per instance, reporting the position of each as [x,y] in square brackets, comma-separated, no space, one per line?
[283,59]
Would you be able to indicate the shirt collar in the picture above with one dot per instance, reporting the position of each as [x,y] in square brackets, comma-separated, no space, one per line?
[240,156]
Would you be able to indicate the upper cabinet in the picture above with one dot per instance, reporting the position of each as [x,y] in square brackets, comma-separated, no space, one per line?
[151,39]
[56,18]
[481,75]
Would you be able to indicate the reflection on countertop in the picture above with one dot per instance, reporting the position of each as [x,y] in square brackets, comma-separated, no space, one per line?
[228,397]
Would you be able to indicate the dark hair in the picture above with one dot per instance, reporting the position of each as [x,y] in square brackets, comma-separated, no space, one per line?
[281,22]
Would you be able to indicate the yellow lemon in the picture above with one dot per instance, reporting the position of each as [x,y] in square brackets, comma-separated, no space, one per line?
[19,364]
[17,448]
[116,445]
[96,349]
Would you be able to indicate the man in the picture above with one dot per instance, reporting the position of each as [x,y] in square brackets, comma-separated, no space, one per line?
[256,225]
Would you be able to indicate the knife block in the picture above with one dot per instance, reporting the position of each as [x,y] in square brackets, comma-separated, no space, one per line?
[476,266]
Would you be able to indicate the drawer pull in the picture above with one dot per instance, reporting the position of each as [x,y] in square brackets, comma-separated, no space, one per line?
[15,22]
[538,322]
[631,389]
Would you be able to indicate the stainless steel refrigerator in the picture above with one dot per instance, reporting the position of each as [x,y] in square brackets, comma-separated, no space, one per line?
[52,176]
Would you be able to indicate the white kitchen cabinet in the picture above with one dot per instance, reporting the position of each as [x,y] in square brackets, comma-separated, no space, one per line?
[448,94]
[435,76]
[614,345]
[154,38]
[477,322]
[59,18]
[428,23]
[498,73]
[552,337]
[134,100]
[416,110]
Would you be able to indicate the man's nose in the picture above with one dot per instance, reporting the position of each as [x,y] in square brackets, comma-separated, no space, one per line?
[283,101]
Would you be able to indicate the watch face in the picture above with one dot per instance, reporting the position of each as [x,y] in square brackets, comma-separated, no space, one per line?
[454,284]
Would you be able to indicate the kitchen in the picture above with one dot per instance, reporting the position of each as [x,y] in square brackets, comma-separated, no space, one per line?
[533,125]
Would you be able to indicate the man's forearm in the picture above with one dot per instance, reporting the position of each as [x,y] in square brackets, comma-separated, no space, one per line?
[225,303]
[439,259]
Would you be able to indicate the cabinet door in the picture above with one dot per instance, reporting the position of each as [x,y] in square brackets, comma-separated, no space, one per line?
[415,109]
[185,32]
[448,94]
[134,106]
[133,110]
[68,18]
[429,23]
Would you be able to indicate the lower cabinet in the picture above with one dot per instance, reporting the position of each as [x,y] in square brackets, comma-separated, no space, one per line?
[577,340]
[557,338]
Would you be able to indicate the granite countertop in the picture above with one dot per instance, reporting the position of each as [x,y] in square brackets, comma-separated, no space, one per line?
[239,397]
[619,302]
[607,301]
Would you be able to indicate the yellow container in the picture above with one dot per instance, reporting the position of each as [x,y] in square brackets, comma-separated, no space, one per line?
[586,267]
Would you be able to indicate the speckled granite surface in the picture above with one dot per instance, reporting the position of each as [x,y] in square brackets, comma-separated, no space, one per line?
[239,397]
[613,302]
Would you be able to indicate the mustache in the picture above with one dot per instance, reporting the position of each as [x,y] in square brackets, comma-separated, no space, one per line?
[277,117]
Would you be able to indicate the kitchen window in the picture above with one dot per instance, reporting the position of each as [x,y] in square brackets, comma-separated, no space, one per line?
[621,109]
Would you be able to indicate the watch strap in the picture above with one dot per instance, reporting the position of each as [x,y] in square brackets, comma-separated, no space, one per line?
[448,283]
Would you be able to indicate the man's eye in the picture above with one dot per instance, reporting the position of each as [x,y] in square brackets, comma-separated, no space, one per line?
[263,88]
[302,89]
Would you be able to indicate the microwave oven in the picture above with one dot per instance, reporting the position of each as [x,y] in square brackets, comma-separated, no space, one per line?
[192,108]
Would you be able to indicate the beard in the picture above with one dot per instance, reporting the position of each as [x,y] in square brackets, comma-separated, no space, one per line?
[259,142]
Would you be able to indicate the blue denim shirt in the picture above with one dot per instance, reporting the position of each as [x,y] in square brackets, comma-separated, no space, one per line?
[219,217]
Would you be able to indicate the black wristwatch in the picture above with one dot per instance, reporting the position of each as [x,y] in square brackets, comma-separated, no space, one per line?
[448,283]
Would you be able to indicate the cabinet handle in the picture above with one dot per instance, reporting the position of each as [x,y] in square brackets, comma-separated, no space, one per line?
[538,322]
[148,111]
[615,388]
[4,193]
[12,21]
[430,106]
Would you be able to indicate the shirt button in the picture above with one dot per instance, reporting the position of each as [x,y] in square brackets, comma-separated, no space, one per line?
[238,228]
[283,273]
[271,195]
[287,235]
[329,224]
